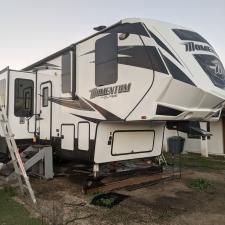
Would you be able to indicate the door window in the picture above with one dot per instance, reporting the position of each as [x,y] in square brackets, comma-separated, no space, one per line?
[24,98]
[45,97]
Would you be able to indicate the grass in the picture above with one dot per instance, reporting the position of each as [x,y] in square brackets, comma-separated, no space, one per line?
[13,213]
[198,162]
[10,191]
[200,184]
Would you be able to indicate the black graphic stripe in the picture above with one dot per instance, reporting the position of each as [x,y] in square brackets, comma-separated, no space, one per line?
[108,115]
[74,104]
[94,120]
[176,72]
[82,105]
[162,45]
[142,56]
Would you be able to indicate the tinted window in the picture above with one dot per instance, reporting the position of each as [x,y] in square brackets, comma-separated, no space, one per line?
[24,92]
[66,73]
[45,97]
[2,92]
[189,35]
[106,60]
[213,68]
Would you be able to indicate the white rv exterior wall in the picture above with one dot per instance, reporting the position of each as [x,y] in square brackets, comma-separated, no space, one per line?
[215,143]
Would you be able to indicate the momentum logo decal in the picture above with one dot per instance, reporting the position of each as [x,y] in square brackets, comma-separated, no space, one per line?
[111,91]
[191,46]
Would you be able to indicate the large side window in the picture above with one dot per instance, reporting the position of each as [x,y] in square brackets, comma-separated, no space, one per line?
[2,92]
[106,66]
[24,98]
[66,73]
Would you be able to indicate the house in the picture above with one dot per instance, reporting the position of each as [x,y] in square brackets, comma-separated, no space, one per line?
[214,145]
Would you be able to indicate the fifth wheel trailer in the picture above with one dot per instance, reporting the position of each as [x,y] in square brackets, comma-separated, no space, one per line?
[109,96]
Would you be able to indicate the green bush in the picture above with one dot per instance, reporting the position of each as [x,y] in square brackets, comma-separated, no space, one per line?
[200,184]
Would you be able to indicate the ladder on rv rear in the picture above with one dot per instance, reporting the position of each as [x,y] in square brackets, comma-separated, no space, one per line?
[18,165]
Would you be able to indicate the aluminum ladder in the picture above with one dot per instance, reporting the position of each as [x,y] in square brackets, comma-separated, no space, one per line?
[18,165]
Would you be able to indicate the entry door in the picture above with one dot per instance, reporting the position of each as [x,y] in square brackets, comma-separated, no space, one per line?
[83,136]
[67,135]
[45,110]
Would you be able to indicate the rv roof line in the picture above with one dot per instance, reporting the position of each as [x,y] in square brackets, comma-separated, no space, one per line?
[52,56]
[69,48]
[15,70]
[5,69]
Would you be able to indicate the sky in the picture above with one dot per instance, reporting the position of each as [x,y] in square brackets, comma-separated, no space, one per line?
[33,29]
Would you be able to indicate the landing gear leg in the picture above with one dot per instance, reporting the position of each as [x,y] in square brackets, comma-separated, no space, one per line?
[92,181]
[95,170]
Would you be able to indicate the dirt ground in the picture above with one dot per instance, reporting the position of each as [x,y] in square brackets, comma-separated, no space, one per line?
[173,202]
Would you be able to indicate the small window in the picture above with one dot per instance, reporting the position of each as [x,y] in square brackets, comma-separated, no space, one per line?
[66,73]
[45,97]
[106,60]
[2,91]
[24,92]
